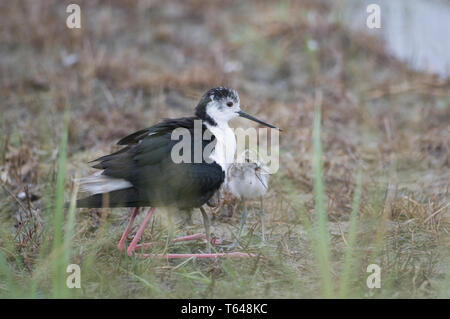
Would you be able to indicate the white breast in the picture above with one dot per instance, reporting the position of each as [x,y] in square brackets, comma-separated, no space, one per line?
[225,149]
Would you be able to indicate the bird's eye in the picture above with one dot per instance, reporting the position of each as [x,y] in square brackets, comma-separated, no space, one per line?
[229,104]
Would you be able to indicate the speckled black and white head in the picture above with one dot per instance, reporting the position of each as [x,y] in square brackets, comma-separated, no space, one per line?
[220,105]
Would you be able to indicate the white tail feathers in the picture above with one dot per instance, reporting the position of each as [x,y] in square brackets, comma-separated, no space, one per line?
[100,184]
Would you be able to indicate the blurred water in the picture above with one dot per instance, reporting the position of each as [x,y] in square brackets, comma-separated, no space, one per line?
[414,31]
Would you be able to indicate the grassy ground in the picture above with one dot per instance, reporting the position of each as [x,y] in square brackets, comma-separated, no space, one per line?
[381,145]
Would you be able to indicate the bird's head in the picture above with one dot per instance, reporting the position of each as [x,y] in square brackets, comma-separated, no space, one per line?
[220,105]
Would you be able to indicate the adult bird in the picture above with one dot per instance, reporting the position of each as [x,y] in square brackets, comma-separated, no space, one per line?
[147,171]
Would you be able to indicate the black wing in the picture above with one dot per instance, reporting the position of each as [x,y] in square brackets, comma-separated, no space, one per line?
[146,163]
[167,125]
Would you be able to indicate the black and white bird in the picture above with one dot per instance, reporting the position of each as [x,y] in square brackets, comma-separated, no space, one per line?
[144,174]
[248,180]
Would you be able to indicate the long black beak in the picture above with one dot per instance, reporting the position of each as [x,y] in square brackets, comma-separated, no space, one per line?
[254,119]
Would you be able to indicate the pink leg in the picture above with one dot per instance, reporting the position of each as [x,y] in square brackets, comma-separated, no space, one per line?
[214,241]
[217,255]
[189,237]
[139,246]
[138,235]
[121,244]
[179,239]
[140,231]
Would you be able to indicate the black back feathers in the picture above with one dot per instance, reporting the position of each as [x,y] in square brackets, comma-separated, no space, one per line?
[156,179]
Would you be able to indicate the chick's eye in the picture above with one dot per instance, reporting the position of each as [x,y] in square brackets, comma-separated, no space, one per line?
[229,104]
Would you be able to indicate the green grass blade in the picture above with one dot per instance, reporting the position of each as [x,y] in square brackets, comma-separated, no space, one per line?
[58,217]
[322,245]
[70,227]
[7,285]
[444,289]
[349,259]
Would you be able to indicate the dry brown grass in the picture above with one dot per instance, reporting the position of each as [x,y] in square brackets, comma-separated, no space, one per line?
[137,62]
